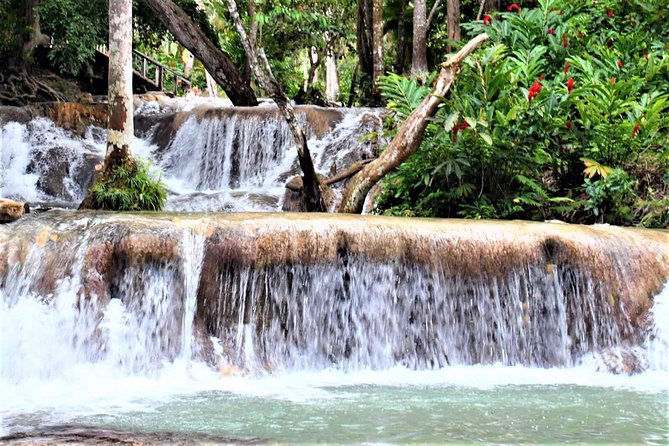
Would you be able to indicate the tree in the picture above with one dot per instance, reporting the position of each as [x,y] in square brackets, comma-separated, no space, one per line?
[311,193]
[408,136]
[453,12]
[215,61]
[400,54]
[377,41]
[365,44]
[419,49]
[120,127]
[124,184]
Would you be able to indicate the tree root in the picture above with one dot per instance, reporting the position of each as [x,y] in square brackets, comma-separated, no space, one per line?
[21,90]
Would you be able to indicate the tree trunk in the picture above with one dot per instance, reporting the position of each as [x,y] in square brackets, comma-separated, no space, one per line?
[409,135]
[377,41]
[120,130]
[365,49]
[253,33]
[215,61]
[453,12]
[120,127]
[32,37]
[400,54]
[419,52]
[331,78]
[311,193]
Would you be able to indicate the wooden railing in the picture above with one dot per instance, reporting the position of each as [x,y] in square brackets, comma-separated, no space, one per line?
[156,74]
[147,65]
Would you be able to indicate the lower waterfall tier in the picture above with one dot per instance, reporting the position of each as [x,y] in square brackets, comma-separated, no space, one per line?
[265,292]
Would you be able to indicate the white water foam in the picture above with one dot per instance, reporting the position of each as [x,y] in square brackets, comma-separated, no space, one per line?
[41,152]
[15,182]
[48,366]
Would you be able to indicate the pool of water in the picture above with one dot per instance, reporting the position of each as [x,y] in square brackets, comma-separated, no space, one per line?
[490,404]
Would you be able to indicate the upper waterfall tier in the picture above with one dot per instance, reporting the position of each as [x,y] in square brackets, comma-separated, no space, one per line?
[314,291]
[212,159]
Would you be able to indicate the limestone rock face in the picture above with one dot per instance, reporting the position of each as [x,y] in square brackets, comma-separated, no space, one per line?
[12,210]
[73,116]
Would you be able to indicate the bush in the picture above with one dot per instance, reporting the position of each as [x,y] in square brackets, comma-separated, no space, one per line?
[563,95]
[127,189]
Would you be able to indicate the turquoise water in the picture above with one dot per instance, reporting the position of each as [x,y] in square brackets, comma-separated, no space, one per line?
[416,414]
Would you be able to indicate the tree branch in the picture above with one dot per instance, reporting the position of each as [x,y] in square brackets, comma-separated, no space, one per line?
[409,135]
[433,11]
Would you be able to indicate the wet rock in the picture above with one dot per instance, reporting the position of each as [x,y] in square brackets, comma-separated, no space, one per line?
[60,176]
[14,114]
[625,360]
[160,128]
[73,116]
[84,435]
[12,210]
[292,197]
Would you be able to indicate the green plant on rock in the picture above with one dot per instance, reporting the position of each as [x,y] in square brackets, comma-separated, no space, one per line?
[135,188]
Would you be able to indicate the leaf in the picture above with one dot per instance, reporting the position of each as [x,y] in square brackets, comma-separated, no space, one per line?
[486,137]
[471,122]
[450,121]
[593,168]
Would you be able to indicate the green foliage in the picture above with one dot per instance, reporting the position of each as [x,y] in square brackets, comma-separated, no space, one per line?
[76,29]
[516,139]
[10,28]
[128,189]
[287,30]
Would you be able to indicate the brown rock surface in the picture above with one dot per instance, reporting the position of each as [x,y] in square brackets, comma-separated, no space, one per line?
[11,210]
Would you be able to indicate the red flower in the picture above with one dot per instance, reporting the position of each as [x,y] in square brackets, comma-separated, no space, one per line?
[566,67]
[551,31]
[541,77]
[462,126]
[609,13]
[620,64]
[579,35]
[487,20]
[569,124]
[570,84]
[636,129]
[513,7]
[534,91]
[564,41]
[613,80]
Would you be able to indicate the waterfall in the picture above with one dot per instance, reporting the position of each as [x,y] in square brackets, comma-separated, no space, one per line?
[266,294]
[192,253]
[222,159]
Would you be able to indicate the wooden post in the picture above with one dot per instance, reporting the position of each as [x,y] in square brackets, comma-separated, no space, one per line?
[143,67]
[176,84]
[159,77]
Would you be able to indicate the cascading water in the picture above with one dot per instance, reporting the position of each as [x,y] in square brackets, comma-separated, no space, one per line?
[141,311]
[224,159]
[291,327]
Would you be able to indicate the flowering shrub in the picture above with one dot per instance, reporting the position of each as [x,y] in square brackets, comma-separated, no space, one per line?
[543,110]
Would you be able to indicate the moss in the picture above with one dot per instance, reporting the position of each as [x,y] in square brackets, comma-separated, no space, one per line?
[135,188]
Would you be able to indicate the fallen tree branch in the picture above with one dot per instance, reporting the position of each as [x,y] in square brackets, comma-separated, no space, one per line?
[352,170]
[409,135]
